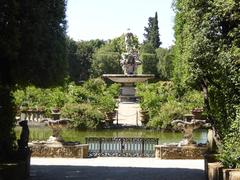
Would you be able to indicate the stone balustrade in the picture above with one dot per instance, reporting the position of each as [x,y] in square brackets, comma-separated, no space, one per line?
[32,115]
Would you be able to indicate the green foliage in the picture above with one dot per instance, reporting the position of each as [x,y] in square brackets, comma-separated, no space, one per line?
[37,98]
[159,100]
[42,56]
[192,99]
[230,148]
[152,32]
[93,94]
[105,63]
[147,48]
[79,57]
[114,89]
[32,52]
[207,56]
[78,94]
[83,115]
[106,103]
[96,86]
[165,63]
[149,63]
[166,113]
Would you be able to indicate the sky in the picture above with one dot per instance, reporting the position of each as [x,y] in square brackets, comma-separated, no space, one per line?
[108,19]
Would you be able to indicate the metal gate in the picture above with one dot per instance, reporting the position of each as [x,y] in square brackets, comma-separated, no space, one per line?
[121,147]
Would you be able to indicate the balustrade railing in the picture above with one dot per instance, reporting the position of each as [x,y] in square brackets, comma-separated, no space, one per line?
[122,147]
[32,115]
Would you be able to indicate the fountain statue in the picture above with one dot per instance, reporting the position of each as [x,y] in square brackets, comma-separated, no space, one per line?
[130,59]
[187,126]
[129,62]
[56,124]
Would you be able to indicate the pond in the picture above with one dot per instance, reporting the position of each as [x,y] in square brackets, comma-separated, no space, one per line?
[43,133]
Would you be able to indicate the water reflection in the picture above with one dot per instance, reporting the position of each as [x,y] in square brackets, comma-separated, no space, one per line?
[43,133]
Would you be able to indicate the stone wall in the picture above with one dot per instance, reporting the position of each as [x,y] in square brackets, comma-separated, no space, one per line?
[75,151]
[183,152]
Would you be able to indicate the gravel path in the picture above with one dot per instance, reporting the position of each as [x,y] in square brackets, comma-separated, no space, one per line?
[115,169]
[127,114]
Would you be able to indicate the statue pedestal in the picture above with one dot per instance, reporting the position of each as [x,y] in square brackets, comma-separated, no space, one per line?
[128,92]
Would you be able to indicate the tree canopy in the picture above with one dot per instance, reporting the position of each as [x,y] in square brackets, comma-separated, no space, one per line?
[32,52]
[152,32]
[79,57]
[207,56]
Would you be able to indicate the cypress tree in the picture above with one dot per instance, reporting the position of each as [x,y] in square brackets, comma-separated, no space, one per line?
[152,32]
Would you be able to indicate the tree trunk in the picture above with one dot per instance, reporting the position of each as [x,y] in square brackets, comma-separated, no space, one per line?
[7,122]
[208,108]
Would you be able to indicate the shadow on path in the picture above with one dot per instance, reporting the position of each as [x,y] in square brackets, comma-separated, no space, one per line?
[59,172]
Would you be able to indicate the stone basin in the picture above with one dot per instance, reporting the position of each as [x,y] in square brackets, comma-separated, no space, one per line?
[130,78]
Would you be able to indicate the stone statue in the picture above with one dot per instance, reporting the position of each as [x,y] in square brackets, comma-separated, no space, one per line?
[188,127]
[24,136]
[56,126]
[130,59]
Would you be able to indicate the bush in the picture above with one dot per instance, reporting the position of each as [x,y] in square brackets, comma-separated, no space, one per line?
[86,105]
[167,112]
[106,103]
[230,148]
[79,94]
[162,105]
[37,98]
[113,90]
[83,115]
[192,99]
[96,86]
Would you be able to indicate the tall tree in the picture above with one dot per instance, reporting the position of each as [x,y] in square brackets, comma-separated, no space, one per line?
[207,56]
[165,63]
[9,45]
[42,37]
[149,59]
[152,32]
[32,49]
[79,57]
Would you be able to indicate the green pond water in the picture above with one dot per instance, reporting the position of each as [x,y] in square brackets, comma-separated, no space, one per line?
[43,133]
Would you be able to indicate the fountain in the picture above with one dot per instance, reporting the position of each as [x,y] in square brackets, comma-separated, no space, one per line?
[187,127]
[55,146]
[187,148]
[129,62]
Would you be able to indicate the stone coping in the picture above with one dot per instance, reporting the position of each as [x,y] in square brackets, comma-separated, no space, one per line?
[58,149]
[180,152]
[131,78]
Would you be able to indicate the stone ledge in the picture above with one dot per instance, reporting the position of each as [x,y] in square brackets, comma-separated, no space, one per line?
[183,152]
[65,151]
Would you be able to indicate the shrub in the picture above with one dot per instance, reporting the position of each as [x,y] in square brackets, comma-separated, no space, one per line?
[79,94]
[106,103]
[167,112]
[193,99]
[96,86]
[230,148]
[113,90]
[162,105]
[83,115]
